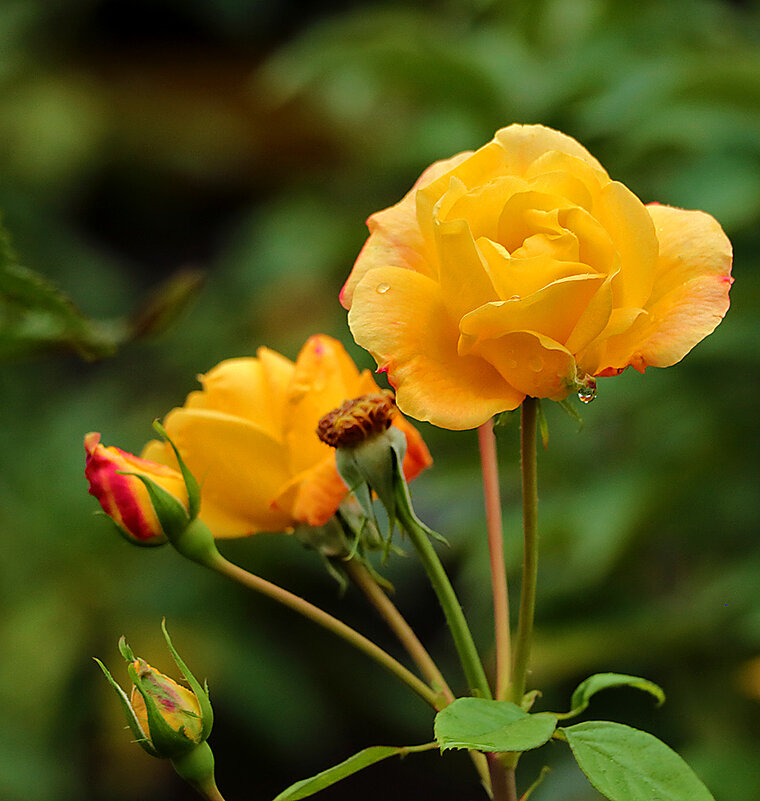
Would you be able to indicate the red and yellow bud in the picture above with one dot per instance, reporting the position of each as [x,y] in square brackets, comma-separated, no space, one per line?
[124,498]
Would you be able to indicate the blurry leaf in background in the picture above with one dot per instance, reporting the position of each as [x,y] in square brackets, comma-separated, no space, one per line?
[36,316]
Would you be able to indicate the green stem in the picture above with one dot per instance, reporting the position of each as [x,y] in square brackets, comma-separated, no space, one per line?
[406,636]
[502,779]
[530,556]
[322,618]
[398,625]
[468,654]
[490,469]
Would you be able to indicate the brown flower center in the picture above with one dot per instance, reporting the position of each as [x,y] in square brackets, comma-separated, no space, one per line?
[357,420]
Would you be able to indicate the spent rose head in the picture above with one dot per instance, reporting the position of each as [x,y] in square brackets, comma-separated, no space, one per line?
[523,269]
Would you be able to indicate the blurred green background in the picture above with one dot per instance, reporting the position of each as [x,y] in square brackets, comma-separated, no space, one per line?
[249,139]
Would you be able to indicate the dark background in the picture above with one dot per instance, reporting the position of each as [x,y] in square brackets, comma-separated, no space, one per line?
[250,140]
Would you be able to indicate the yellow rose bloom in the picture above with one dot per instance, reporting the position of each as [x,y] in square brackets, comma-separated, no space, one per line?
[250,438]
[522,269]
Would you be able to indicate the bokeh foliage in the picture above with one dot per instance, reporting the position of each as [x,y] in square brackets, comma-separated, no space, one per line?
[250,140]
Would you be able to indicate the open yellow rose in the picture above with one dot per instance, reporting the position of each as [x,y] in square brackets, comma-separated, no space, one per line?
[250,438]
[520,270]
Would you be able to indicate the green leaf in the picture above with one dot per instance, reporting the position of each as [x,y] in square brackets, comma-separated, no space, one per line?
[602,681]
[625,764]
[479,724]
[365,758]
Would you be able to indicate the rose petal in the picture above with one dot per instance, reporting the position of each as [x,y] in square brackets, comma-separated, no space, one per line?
[240,469]
[553,311]
[395,236]
[532,363]
[313,496]
[399,316]
[463,274]
[524,276]
[324,377]
[631,230]
[245,388]
[523,144]
[690,294]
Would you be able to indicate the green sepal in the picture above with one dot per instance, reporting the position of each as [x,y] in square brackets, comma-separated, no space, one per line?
[363,759]
[354,480]
[543,425]
[134,726]
[125,650]
[480,724]
[197,543]
[168,742]
[201,693]
[171,514]
[328,539]
[369,465]
[602,681]
[153,542]
[571,411]
[625,764]
[191,484]
[404,497]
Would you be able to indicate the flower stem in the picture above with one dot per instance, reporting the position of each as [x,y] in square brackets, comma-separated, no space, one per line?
[502,780]
[418,534]
[490,469]
[322,618]
[530,556]
[397,623]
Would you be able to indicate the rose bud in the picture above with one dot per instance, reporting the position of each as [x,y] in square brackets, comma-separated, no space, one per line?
[113,477]
[168,720]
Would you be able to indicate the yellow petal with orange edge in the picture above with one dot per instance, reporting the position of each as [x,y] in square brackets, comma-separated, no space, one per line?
[532,363]
[240,469]
[523,144]
[313,496]
[690,294]
[324,377]
[399,316]
[395,236]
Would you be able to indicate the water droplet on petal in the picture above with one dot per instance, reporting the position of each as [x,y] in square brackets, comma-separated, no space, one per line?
[383,288]
[587,391]
[536,364]
[514,297]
